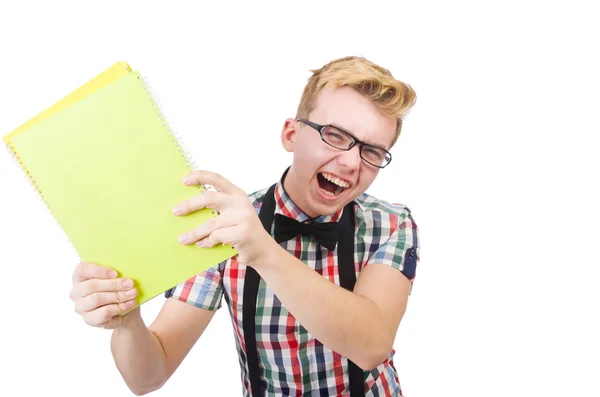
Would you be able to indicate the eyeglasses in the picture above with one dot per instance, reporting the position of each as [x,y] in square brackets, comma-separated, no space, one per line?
[343,140]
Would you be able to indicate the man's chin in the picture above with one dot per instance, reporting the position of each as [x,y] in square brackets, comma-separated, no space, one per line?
[326,209]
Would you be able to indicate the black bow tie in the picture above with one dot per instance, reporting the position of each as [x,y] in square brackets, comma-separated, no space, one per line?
[287,228]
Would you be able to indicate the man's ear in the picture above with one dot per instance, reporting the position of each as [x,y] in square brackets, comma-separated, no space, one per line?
[288,134]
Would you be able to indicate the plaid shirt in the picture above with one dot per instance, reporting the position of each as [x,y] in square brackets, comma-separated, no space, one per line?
[293,362]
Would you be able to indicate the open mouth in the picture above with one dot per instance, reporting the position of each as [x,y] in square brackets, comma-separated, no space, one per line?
[330,185]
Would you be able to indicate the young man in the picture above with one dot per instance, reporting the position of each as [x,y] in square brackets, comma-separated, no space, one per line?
[323,271]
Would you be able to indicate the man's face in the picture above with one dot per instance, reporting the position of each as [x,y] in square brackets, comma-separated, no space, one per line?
[316,164]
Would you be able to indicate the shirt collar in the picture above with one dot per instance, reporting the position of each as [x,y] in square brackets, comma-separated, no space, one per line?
[285,206]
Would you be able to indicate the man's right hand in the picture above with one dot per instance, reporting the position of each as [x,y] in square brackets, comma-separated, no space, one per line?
[100,296]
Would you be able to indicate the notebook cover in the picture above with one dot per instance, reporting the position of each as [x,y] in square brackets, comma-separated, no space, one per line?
[110,172]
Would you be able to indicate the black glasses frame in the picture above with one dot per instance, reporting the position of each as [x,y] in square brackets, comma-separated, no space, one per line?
[356,141]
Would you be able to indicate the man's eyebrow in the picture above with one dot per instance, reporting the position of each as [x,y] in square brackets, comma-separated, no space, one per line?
[348,132]
[341,128]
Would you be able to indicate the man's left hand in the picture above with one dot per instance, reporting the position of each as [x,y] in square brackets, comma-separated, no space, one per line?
[237,223]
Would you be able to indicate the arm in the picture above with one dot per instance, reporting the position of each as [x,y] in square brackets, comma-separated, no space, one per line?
[360,325]
[146,357]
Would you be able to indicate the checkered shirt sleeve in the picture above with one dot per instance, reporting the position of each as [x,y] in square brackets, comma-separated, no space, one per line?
[401,249]
[203,290]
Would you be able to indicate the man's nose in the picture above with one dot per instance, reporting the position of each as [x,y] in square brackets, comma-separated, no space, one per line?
[350,158]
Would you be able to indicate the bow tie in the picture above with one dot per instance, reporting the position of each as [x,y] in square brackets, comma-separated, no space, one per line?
[287,228]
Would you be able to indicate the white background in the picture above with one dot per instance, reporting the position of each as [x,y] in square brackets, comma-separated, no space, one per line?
[498,162]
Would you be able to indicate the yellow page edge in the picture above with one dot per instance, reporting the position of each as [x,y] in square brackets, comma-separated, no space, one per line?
[111,74]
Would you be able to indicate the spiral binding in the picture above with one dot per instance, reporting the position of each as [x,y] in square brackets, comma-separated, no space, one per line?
[13,152]
[175,137]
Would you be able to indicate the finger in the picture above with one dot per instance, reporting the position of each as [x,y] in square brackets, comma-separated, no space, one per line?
[220,236]
[101,316]
[99,299]
[224,220]
[88,287]
[87,270]
[208,199]
[212,178]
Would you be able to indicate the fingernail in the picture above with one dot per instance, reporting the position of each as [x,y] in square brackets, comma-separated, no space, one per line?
[112,274]
[200,243]
[182,239]
[130,303]
[185,180]
[127,283]
[130,292]
[176,211]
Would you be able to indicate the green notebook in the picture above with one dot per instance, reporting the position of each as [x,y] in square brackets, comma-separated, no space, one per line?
[108,167]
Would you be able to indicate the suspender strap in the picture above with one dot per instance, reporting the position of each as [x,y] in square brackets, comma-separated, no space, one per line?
[252,281]
[347,281]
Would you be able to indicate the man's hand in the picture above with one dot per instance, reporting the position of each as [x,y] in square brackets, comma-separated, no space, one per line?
[237,223]
[100,297]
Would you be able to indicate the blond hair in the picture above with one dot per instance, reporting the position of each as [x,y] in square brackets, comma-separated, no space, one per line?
[392,97]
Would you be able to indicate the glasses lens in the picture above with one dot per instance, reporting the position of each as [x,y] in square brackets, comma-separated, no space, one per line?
[337,138]
[376,156]
[341,140]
